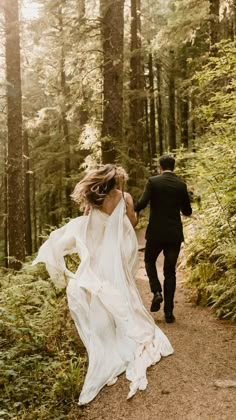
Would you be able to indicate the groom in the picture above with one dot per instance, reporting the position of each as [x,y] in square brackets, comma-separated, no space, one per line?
[167,196]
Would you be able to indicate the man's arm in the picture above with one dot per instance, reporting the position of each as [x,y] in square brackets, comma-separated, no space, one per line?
[186,208]
[144,200]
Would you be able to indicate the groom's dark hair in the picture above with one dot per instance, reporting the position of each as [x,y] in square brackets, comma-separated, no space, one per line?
[167,162]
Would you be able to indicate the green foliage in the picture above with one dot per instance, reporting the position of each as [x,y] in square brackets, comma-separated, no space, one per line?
[143,219]
[42,360]
[183,20]
[62,95]
[212,169]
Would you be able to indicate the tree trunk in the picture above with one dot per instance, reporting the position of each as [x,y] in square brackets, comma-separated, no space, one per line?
[5,211]
[148,159]
[81,9]
[226,26]
[15,184]
[53,208]
[159,109]
[28,230]
[34,211]
[214,21]
[171,120]
[64,123]
[137,102]
[140,87]
[152,109]
[193,122]
[233,7]
[184,115]
[112,33]
[136,81]
[184,100]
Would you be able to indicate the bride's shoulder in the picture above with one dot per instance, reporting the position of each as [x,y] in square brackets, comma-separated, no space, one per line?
[128,198]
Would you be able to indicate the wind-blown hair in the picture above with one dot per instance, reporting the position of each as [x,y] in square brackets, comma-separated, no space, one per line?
[97,184]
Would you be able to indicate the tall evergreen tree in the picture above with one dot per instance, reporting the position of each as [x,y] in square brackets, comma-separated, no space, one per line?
[159,110]
[136,108]
[15,184]
[214,21]
[64,123]
[27,183]
[172,105]
[112,33]
[152,108]
[183,99]
[233,7]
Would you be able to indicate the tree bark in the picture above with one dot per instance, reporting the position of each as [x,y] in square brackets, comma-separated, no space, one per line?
[137,101]
[34,213]
[171,120]
[193,122]
[81,9]
[184,100]
[226,26]
[6,254]
[64,123]
[159,110]
[214,21]
[233,7]
[53,208]
[112,34]
[28,229]
[15,184]
[152,109]
[148,160]
[184,115]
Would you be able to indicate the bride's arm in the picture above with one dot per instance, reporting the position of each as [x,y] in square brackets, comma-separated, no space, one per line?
[60,242]
[130,209]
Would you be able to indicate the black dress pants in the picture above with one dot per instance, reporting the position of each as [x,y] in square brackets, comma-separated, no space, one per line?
[171,253]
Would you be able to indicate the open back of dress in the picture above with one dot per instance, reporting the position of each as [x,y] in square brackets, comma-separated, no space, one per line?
[118,332]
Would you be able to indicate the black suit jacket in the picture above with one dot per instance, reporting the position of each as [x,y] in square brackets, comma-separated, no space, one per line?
[168,196]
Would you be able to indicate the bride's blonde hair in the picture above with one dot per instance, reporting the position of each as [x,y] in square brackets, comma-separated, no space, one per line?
[97,184]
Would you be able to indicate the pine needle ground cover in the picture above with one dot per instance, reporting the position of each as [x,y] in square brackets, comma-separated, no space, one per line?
[42,361]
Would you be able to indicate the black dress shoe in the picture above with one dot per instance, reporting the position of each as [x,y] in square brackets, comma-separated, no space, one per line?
[169,317]
[156,302]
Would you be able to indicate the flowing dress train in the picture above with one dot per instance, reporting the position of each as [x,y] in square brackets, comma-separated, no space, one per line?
[118,332]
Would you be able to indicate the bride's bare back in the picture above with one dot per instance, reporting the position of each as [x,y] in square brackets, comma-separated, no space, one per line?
[111,201]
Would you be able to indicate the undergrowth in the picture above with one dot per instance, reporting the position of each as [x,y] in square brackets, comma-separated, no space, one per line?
[211,250]
[42,360]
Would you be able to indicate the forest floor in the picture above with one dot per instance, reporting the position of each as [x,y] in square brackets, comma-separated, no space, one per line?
[193,383]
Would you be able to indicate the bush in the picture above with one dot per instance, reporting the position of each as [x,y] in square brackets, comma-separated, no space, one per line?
[211,252]
[42,359]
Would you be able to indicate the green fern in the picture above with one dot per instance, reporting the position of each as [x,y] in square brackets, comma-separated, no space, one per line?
[42,360]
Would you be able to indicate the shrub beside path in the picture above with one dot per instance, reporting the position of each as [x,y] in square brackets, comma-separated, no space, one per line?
[197,382]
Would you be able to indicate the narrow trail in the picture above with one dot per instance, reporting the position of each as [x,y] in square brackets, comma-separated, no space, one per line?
[182,386]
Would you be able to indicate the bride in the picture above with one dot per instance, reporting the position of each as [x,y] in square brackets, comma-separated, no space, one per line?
[118,332]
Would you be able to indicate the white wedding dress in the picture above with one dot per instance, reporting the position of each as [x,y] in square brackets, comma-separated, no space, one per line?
[118,332]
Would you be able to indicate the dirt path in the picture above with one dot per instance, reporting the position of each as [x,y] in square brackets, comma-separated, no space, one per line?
[182,386]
